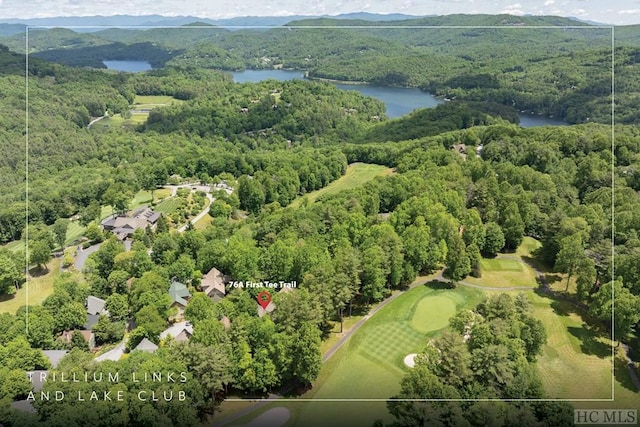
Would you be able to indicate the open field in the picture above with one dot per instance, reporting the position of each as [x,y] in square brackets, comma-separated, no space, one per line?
[576,361]
[74,232]
[357,174]
[504,272]
[39,288]
[161,193]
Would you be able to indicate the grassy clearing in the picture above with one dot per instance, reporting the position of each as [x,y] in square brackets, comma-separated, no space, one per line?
[504,272]
[573,348]
[141,198]
[161,193]
[154,100]
[357,174]
[39,288]
[576,362]
[15,246]
[203,223]
[74,232]
[528,247]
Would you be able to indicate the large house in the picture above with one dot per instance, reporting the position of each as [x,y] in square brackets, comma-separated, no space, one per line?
[124,226]
[213,284]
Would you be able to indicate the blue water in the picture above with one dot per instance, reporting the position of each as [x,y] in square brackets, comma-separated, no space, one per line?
[128,66]
[399,100]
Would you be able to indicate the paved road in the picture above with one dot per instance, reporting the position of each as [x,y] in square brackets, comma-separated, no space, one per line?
[83,254]
[198,217]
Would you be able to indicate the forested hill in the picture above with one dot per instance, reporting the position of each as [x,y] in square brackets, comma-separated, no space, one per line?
[544,65]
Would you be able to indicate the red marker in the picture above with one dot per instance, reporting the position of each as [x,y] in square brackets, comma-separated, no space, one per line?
[264,298]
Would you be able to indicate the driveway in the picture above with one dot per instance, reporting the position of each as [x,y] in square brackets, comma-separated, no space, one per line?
[83,254]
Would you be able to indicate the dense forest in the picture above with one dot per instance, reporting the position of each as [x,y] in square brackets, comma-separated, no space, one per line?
[274,142]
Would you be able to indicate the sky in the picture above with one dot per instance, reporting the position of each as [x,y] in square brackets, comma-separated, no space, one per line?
[617,12]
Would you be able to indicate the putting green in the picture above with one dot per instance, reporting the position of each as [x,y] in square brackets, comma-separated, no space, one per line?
[433,313]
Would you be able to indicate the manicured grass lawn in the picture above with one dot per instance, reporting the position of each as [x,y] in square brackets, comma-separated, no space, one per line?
[370,364]
[168,206]
[74,232]
[433,313]
[155,100]
[357,174]
[141,198]
[161,193]
[15,246]
[39,287]
[503,273]
[576,361]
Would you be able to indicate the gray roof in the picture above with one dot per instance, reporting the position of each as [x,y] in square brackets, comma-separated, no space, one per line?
[146,345]
[55,356]
[23,406]
[37,379]
[95,305]
[92,319]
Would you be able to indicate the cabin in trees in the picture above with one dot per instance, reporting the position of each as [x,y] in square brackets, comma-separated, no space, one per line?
[213,284]
[95,307]
[180,332]
[123,226]
[89,337]
[180,296]
[146,345]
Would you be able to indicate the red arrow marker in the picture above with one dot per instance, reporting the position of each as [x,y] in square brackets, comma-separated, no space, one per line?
[264,298]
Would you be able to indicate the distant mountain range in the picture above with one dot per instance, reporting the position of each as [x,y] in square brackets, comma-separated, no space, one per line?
[18,25]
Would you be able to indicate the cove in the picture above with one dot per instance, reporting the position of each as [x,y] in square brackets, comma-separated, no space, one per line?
[398,100]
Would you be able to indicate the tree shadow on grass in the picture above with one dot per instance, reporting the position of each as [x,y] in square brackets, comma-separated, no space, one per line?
[590,344]
[7,297]
[621,373]
[38,272]
[437,284]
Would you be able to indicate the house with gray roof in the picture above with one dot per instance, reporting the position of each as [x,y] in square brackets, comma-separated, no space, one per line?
[180,296]
[146,345]
[123,226]
[95,305]
[180,332]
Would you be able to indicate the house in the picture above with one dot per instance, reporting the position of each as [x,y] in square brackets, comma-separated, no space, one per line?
[88,336]
[55,356]
[180,296]
[146,345]
[124,226]
[213,284]
[180,332]
[95,308]
[37,378]
[95,305]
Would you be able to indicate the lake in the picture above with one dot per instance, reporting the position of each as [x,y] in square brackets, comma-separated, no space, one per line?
[128,66]
[399,100]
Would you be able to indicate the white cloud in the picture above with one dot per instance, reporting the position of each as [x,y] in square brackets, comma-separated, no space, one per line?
[549,2]
[629,12]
